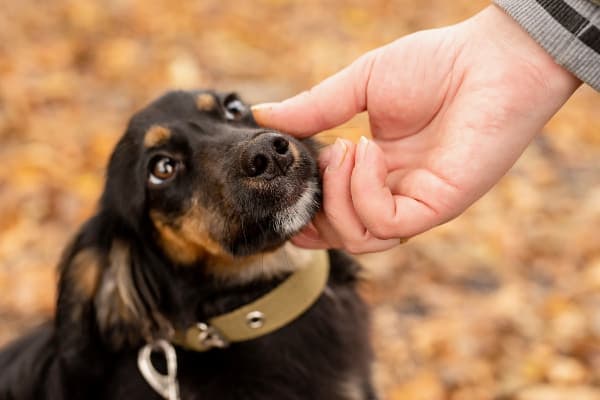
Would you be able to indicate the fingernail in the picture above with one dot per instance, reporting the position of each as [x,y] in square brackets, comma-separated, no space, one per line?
[361,151]
[338,154]
[262,106]
[259,112]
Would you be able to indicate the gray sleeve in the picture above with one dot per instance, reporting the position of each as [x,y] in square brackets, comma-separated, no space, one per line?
[568,29]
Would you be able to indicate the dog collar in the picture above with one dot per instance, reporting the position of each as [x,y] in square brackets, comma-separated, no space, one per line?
[267,314]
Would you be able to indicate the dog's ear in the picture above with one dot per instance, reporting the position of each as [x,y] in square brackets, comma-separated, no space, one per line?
[79,275]
[125,190]
[103,296]
[124,307]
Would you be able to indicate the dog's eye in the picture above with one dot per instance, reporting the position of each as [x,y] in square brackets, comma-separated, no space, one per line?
[234,109]
[162,169]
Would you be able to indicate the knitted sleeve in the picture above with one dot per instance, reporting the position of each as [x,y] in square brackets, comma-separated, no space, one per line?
[569,30]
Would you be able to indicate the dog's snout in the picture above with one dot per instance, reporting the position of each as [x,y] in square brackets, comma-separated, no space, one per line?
[267,156]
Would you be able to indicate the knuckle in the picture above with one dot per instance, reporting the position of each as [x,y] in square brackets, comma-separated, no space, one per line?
[355,247]
[384,231]
[353,250]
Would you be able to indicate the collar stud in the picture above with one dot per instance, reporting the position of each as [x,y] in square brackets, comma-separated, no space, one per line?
[255,319]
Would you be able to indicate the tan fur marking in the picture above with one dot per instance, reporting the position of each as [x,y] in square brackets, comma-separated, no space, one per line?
[351,389]
[205,102]
[85,272]
[186,240]
[295,151]
[156,135]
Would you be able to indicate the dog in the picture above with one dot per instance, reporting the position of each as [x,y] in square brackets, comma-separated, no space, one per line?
[192,227]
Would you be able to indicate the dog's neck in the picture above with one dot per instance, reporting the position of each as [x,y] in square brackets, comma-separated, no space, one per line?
[274,309]
[134,294]
[260,267]
[153,299]
[217,289]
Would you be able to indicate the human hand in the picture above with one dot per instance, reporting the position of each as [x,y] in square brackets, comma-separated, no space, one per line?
[450,112]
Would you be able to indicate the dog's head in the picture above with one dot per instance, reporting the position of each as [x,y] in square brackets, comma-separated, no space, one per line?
[194,168]
[194,185]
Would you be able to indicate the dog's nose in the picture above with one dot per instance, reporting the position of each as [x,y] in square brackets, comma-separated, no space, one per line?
[267,156]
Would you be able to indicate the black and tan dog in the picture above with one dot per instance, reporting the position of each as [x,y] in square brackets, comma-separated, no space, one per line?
[183,285]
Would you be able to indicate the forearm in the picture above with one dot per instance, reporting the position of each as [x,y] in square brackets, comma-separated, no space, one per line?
[569,30]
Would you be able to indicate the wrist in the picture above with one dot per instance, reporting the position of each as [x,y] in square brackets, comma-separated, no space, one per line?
[496,28]
[567,30]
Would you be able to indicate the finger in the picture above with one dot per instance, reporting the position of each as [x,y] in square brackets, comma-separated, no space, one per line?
[326,232]
[310,231]
[331,239]
[384,214]
[393,178]
[311,234]
[422,183]
[318,234]
[310,238]
[325,157]
[342,224]
[328,104]
[310,245]
[308,241]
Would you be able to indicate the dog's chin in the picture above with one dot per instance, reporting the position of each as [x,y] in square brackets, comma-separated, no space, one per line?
[274,227]
[291,219]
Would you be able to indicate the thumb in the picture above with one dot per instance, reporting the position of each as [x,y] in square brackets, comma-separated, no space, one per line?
[328,104]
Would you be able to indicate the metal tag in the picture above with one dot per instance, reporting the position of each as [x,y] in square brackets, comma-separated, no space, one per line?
[165,385]
[210,337]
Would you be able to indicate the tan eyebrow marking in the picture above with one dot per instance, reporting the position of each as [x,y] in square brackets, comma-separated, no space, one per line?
[205,102]
[156,135]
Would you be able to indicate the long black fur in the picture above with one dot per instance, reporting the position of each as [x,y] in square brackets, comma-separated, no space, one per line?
[324,354]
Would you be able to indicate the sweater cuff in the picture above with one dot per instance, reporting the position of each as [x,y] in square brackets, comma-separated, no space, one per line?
[569,30]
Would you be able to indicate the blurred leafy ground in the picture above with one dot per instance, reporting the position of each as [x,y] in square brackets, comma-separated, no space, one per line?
[503,303]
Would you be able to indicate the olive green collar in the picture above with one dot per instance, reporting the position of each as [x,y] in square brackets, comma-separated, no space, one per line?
[267,314]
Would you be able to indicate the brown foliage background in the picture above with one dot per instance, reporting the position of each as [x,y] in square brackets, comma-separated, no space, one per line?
[502,303]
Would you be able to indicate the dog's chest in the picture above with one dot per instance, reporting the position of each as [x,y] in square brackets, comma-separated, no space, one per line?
[324,355]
